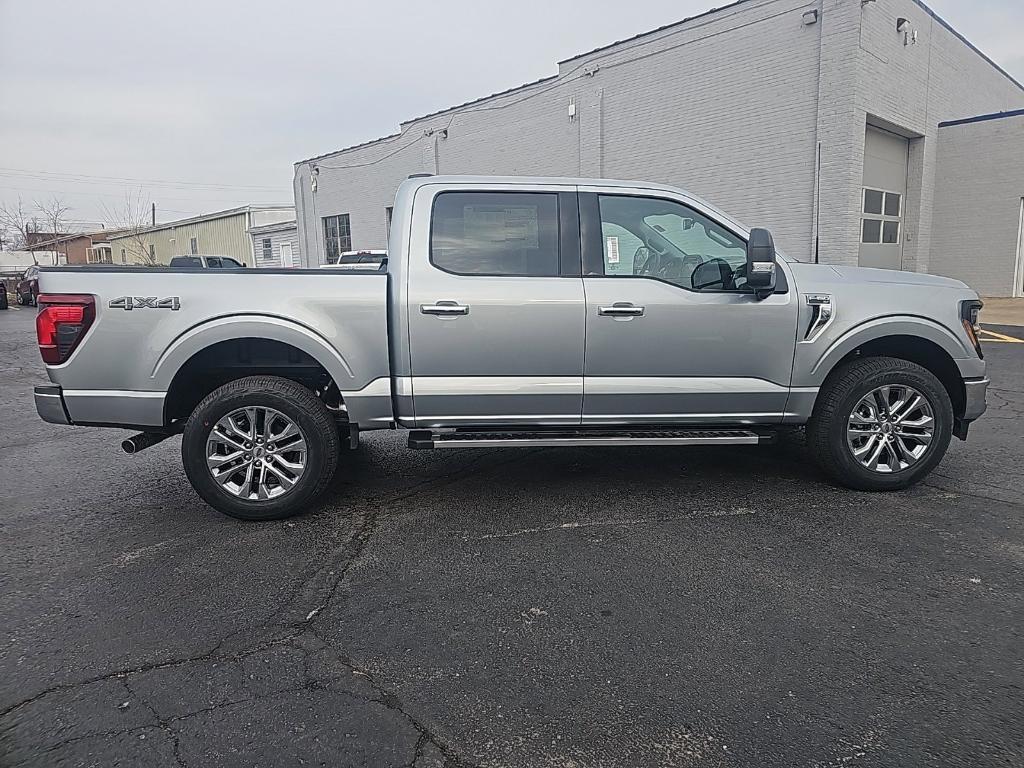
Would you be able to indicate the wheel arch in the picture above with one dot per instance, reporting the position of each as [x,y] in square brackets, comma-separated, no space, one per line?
[931,350]
[225,349]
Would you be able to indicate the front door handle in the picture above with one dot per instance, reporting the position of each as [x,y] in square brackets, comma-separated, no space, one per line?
[621,310]
[444,309]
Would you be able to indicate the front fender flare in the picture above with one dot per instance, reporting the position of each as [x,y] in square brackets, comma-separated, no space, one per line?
[818,367]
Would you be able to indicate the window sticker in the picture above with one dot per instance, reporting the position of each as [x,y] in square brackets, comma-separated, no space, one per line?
[512,224]
[613,250]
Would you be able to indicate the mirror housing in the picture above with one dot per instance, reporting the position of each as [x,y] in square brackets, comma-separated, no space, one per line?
[761,262]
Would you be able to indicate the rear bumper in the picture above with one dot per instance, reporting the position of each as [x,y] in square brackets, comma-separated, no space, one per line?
[50,404]
[975,402]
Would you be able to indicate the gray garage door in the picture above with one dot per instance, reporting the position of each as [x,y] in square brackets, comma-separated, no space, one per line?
[883,199]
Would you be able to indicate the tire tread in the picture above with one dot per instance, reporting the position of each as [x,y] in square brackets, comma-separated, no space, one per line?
[827,453]
[298,395]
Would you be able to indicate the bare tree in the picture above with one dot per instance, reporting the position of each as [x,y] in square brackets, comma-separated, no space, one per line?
[132,219]
[16,225]
[53,213]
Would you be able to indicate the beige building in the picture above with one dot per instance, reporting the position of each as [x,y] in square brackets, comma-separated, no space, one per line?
[224,233]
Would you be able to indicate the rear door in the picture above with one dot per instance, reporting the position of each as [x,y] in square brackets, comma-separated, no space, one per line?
[673,336]
[495,306]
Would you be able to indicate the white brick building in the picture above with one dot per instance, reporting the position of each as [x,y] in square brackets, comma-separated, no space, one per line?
[818,119]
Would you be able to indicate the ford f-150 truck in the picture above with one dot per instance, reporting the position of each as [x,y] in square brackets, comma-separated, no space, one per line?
[517,312]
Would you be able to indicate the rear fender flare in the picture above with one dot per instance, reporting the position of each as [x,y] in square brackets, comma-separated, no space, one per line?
[198,338]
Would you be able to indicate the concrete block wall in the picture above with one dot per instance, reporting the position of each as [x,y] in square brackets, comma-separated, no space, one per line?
[724,106]
[979,186]
[915,86]
[731,105]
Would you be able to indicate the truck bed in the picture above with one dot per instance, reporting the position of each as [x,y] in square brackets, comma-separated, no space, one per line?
[150,321]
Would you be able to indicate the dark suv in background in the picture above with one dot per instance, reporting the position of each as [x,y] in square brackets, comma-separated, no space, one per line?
[27,288]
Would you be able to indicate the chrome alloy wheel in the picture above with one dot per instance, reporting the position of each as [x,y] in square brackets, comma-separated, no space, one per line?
[891,428]
[256,453]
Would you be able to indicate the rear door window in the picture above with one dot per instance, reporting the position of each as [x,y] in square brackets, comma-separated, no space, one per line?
[495,233]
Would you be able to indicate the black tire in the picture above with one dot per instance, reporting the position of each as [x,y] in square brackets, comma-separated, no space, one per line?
[826,431]
[295,402]
[20,299]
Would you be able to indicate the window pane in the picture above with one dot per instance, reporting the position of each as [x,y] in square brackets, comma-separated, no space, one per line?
[872,231]
[890,232]
[892,203]
[650,237]
[872,201]
[495,233]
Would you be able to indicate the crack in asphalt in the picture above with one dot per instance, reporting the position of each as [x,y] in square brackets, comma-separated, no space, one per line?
[163,724]
[120,674]
[364,530]
[390,700]
[351,552]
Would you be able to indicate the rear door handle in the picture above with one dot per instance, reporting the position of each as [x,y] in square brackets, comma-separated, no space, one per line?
[621,310]
[444,309]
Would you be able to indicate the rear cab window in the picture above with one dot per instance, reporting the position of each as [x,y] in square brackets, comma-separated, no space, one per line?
[495,233]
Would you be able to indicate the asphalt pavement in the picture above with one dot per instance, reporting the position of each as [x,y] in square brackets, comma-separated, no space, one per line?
[548,607]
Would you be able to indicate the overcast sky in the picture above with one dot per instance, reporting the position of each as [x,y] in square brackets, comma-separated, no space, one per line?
[231,94]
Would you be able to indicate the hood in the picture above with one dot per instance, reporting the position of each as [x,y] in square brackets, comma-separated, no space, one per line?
[894,277]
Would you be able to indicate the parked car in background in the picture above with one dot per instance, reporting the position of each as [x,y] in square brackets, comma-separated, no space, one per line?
[27,288]
[197,261]
[518,312]
[3,294]
[360,261]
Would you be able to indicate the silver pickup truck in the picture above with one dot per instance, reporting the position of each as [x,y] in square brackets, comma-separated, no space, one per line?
[517,312]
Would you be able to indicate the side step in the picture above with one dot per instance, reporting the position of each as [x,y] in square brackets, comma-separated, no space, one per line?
[425,438]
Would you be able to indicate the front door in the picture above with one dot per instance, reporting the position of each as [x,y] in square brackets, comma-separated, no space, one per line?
[496,309]
[673,336]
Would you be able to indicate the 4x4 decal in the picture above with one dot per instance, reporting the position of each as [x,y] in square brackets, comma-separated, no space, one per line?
[144,302]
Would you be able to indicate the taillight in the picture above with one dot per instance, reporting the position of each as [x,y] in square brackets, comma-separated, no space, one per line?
[61,323]
[969,317]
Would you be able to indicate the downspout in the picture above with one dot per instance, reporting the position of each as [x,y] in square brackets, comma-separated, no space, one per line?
[248,234]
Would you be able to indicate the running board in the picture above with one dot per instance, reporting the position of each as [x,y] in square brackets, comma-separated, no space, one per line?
[425,438]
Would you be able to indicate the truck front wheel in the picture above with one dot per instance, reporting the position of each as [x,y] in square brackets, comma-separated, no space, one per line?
[260,448]
[880,424]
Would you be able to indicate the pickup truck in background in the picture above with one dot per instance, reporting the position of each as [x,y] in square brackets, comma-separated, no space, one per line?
[199,261]
[517,312]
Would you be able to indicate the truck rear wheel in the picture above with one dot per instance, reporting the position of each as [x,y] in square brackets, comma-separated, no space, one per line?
[260,448]
[880,424]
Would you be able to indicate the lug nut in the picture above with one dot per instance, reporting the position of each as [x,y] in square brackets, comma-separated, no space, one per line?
[248,457]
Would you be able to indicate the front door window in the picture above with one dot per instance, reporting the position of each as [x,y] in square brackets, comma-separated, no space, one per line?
[666,240]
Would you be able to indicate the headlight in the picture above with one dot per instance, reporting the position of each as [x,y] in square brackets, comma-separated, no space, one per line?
[969,317]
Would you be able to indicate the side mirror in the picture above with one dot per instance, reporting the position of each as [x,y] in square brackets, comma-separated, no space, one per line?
[761,262]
